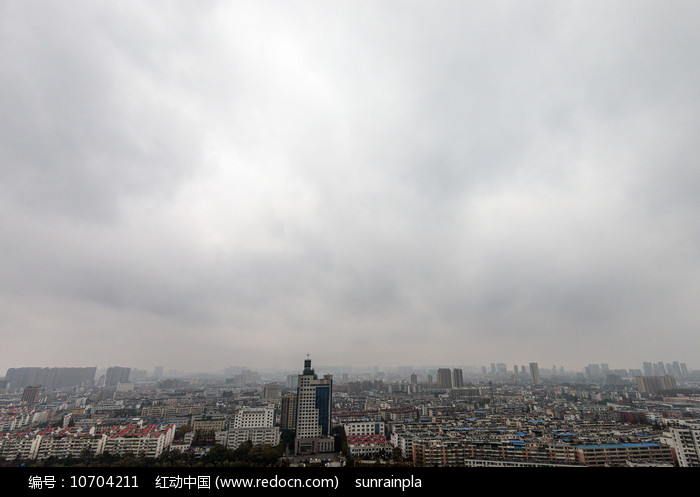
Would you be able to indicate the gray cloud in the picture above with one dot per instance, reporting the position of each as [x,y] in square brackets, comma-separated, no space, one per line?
[381,182]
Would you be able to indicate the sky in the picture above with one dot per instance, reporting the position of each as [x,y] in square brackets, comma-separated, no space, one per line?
[207,184]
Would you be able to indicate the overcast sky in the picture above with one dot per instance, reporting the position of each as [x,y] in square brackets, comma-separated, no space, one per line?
[206,184]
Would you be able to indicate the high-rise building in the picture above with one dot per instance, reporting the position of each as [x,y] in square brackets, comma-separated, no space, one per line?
[30,395]
[535,373]
[648,369]
[655,384]
[314,402]
[593,371]
[457,378]
[116,375]
[50,378]
[685,439]
[676,369]
[444,378]
[288,414]
[662,369]
[271,391]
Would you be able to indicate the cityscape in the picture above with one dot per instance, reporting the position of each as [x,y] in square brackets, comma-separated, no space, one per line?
[388,237]
[335,416]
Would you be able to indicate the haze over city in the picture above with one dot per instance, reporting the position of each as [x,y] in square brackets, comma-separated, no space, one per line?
[200,185]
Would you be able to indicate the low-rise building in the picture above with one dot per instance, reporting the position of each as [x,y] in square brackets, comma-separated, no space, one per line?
[368,445]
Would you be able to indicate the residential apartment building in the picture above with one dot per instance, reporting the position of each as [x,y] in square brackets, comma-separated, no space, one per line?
[685,441]
[620,454]
[208,422]
[655,384]
[444,378]
[288,412]
[116,375]
[368,445]
[149,441]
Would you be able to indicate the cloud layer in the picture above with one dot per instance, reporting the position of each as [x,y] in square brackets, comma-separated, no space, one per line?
[369,182]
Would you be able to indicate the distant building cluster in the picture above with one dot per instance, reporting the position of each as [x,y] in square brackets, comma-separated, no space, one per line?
[656,384]
[450,378]
[50,377]
[525,415]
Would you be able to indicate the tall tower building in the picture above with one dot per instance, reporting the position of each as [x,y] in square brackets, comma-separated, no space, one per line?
[457,378]
[676,369]
[662,369]
[158,372]
[594,371]
[444,378]
[288,415]
[535,372]
[314,401]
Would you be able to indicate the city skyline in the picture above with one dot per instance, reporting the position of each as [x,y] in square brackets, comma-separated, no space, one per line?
[590,370]
[372,183]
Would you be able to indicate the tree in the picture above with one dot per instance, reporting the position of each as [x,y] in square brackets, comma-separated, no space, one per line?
[396,455]
[181,431]
[287,438]
[241,453]
[218,455]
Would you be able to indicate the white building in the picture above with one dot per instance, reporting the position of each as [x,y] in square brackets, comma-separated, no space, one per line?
[64,444]
[368,445]
[149,441]
[363,428]
[685,441]
[404,442]
[256,425]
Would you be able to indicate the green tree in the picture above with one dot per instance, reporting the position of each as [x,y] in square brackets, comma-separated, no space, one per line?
[218,455]
[181,431]
[241,453]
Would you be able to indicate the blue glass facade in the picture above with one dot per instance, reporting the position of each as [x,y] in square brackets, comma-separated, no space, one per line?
[323,404]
